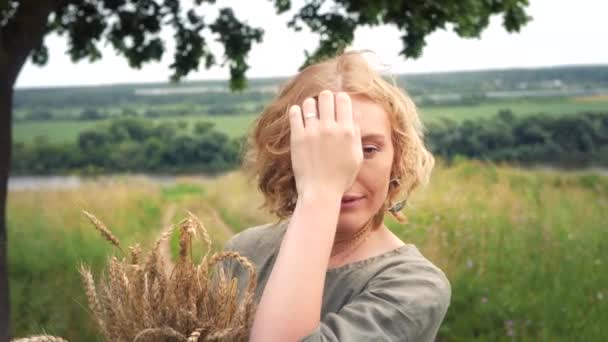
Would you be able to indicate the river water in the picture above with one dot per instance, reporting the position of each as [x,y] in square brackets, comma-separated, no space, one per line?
[53,182]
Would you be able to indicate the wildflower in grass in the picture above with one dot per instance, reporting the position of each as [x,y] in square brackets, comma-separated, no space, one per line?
[509,326]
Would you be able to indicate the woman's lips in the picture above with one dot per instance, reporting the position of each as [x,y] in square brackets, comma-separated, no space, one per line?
[350,202]
[351,196]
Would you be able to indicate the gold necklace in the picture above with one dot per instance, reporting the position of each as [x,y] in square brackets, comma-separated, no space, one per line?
[362,234]
[354,236]
[352,250]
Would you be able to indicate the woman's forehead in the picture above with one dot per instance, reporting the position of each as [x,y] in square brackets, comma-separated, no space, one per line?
[374,121]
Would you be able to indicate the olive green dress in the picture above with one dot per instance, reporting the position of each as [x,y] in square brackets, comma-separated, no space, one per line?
[395,296]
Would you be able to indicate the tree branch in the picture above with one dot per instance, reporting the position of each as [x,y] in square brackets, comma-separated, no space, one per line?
[23,33]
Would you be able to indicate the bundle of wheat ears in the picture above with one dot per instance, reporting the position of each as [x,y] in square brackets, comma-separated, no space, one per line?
[138,301]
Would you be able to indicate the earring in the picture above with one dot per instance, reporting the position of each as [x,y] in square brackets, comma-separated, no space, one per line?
[399,205]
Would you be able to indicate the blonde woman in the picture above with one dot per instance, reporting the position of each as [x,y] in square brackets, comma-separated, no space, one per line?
[332,153]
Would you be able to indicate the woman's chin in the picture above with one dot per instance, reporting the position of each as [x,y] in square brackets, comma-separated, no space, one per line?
[349,222]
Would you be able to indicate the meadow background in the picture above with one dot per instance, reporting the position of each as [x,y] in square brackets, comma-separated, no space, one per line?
[524,244]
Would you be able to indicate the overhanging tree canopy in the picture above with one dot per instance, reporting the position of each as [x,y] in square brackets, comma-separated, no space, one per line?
[132,27]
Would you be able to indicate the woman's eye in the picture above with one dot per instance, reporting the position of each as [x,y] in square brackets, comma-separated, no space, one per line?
[370,149]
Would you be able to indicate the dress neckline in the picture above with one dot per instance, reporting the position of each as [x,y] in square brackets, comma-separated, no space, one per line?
[371,259]
[360,263]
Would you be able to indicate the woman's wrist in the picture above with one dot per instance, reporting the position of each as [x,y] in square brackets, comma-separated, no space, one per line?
[321,208]
[325,196]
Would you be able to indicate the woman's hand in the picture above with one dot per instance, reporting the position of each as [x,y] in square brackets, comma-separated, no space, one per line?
[326,151]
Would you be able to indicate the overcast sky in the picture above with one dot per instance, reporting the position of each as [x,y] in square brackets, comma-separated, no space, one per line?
[562,32]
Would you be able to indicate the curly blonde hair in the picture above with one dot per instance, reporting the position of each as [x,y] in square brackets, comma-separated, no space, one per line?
[267,157]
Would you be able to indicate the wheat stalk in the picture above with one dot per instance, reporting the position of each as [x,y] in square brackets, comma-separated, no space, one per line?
[105,232]
[139,302]
[40,338]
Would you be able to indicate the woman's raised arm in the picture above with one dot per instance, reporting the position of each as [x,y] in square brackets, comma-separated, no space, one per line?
[326,155]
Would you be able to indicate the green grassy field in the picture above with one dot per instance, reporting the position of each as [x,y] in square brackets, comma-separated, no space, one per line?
[519,107]
[49,237]
[237,125]
[68,131]
[525,251]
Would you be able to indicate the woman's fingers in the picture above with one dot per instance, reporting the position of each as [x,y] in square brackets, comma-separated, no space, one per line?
[344,112]
[356,121]
[327,113]
[295,121]
[309,107]
[326,153]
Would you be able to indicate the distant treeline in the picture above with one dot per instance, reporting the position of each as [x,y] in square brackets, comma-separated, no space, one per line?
[571,141]
[137,145]
[127,96]
[90,114]
[132,145]
[479,82]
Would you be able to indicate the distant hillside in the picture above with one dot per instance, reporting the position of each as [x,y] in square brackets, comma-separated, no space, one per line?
[572,80]
[562,77]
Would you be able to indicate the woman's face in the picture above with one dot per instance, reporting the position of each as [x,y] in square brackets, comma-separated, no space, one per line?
[372,181]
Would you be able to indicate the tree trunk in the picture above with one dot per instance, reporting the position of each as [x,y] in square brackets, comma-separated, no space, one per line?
[6,104]
[18,38]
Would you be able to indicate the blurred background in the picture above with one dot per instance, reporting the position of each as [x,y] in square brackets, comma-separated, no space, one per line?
[513,95]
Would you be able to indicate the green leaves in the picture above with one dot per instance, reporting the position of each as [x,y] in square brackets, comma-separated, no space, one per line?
[133,27]
[237,39]
[416,19]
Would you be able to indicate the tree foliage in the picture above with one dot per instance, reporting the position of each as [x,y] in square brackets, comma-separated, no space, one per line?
[572,141]
[336,24]
[133,27]
[132,145]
